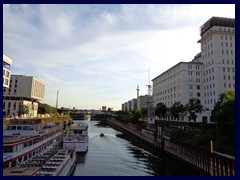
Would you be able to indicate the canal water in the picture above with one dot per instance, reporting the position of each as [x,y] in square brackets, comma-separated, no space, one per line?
[118,154]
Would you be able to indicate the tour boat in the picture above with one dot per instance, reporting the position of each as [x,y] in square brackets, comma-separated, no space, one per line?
[54,162]
[77,137]
[24,139]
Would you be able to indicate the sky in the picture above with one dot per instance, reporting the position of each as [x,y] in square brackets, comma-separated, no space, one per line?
[96,55]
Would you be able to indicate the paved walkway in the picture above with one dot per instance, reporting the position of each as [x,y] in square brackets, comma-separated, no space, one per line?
[134,131]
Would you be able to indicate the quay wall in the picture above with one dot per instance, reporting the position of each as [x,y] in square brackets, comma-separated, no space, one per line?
[214,164]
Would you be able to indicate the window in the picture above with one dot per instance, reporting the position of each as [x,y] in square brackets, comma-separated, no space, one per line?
[222,52]
[190,94]
[228,69]
[198,87]
[223,61]
[226,44]
[198,94]
[229,85]
[223,69]
[227,61]
[190,86]
[224,77]
[225,85]
[229,78]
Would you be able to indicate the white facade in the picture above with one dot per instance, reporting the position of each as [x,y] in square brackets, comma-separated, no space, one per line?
[218,57]
[178,84]
[7,62]
[210,73]
[22,91]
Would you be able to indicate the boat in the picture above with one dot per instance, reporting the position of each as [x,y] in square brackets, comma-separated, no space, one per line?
[24,139]
[62,163]
[101,135]
[77,137]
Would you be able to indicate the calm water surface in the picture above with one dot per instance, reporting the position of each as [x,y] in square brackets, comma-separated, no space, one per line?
[118,154]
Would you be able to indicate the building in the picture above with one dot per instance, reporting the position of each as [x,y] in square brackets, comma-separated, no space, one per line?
[23,91]
[179,83]
[211,72]
[218,58]
[7,62]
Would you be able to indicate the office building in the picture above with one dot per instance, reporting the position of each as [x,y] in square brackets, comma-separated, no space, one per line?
[7,62]
[23,91]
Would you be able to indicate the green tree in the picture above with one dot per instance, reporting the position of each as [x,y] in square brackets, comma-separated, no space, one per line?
[224,114]
[137,114]
[26,109]
[194,106]
[161,110]
[177,108]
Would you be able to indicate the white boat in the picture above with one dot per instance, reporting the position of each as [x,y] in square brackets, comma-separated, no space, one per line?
[23,140]
[62,163]
[77,137]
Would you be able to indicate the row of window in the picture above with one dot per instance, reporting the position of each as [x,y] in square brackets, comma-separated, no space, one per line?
[211,93]
[227,52]
[191,94]
[228,62]
[190,73]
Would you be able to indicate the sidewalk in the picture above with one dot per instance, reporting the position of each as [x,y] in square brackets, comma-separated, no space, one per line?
[137,133]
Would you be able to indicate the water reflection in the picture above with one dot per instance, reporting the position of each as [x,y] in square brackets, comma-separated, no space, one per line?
[118,154]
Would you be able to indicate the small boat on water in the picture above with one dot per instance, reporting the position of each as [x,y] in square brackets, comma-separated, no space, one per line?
[101,135]
[77,137]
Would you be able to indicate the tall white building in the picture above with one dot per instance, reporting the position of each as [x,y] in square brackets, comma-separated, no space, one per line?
[218,58]
[22,91]
[179,83]
[7,62]
[210,73]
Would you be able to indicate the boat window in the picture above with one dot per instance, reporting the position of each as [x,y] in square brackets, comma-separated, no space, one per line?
[31,127]
[19,128]
[25,127]
[14,127]
[9,127]
[8,149]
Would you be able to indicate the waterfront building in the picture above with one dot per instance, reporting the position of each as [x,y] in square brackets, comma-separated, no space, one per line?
[23,91]
[218,58]
[7,62]
[211,72]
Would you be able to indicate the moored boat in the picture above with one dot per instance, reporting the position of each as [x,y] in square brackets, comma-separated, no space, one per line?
[62,163]
[23,140]
[77,137]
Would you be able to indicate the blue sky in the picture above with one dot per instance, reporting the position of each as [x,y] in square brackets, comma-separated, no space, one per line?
[96,55]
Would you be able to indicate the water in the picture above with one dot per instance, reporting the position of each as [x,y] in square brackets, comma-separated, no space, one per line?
[118,154]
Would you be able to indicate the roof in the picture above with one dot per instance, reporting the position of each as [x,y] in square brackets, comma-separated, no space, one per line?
[21,171]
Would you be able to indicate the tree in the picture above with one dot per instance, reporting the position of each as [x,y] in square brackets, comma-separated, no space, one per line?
[137,114]
[177,108]
[194,106]
[26,109]
[161,110]
[224,114]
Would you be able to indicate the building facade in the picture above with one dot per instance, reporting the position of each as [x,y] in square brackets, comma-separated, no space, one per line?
[7,62]
[218,58]
[23,91]
[209,74]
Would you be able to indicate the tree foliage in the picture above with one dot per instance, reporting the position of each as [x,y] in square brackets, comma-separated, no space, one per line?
[161,110]
[177,108]
[45,108]
[224,114]
[194,106]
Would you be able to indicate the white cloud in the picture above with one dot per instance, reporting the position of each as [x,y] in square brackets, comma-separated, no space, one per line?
[97,54]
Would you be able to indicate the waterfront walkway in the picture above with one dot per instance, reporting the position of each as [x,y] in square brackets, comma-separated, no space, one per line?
[214,164]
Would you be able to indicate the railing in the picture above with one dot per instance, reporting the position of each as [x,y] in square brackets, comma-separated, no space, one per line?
[214,164]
